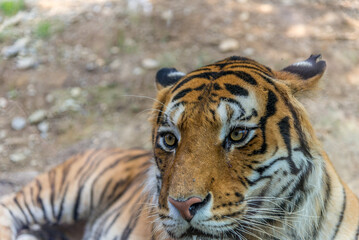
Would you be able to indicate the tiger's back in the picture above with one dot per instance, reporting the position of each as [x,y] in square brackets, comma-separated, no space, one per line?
[101,186]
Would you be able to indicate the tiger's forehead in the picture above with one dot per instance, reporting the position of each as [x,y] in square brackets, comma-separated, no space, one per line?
[224,91]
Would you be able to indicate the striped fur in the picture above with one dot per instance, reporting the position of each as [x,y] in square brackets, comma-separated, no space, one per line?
[276,182]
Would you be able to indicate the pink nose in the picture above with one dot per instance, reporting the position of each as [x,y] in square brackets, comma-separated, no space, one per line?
[185,207]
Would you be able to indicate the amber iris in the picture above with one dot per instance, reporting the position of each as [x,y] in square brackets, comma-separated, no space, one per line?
[238,134]
[170,139]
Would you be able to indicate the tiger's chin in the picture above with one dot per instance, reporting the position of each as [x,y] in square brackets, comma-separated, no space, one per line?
[193,233]
[202,230]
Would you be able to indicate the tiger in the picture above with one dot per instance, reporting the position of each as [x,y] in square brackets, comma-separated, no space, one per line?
[234,157]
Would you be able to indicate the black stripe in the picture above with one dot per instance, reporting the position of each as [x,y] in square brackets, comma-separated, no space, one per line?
[341,216]
[205,75]
[270,111]
[304,147]
[233,101]
[88,159]
[249,62]
[216,86]
[181,94]
[117,211]
[241,75]
[18,222]
[52,177]
[284,129]
[159,114]
[29,210]
[200,87]
[251,67]
[59,215]
[302,138]
[22,210]
[39,200]
[120,183]
[236,90]
[104,190]
[131,224]
[111,166]
[75,211]
[323,210]
[65,172]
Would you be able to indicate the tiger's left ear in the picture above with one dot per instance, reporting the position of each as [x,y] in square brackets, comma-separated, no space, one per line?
[167,77]
[302,76]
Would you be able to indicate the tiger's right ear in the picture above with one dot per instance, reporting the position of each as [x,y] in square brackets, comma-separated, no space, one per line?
[166,77]
[302,76]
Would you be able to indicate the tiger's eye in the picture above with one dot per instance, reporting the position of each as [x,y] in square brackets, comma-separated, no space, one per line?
[170,139]
[238,134]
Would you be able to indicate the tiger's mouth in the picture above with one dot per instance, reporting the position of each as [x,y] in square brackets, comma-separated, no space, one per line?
[196,234]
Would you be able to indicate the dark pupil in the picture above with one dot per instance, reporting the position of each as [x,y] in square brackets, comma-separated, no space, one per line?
[170,139]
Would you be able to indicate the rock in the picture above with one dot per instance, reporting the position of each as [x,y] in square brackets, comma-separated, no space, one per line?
[14,49]
[297,31]
[18,123]
[69,105]
[100,62]
[167,16]
[43,127]
[2,149]
[3,103]
[31,90]
[137,71]
[248,51]
[20,16]
[149,63]
[50,98]
[97,8]
[26,63]
[37,116]
[228,45]
[26,237]
[75,92]
[244,16]
[114,50]
[17,157]
[115,65]
[3,134]
[91,66]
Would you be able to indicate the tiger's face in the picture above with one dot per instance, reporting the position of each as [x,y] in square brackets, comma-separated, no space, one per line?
[231,143]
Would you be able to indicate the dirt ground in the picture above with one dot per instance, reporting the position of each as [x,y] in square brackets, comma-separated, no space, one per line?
[91,66]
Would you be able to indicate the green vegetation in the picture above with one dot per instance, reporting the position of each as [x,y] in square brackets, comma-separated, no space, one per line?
[11,7]
[126,45]
[43,29]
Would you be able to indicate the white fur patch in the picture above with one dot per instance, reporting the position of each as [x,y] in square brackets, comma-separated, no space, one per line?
[303,64]
[176,74]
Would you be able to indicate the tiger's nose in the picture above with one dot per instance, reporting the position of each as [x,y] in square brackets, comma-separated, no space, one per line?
[187,208]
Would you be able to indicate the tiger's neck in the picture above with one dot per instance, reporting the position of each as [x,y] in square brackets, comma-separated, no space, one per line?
[317,209]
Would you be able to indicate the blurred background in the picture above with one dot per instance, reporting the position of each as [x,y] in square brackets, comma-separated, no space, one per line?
[74,73]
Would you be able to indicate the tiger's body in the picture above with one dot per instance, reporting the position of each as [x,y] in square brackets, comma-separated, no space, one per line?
[234,157]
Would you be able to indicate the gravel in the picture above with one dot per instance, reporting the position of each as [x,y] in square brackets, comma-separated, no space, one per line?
[13,50]
[149,63]
[37,116]
[26,63]
[228,45]
[18,123]
[17,157]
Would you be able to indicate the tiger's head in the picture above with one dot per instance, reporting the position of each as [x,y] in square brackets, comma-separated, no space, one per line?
[232,147]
